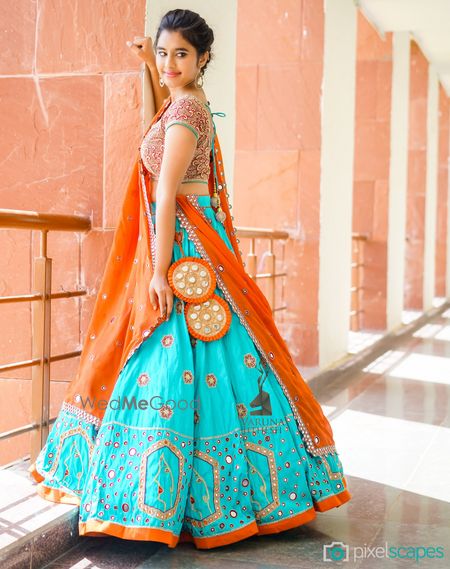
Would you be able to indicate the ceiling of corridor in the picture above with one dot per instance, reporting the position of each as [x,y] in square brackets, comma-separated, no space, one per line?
[427,20]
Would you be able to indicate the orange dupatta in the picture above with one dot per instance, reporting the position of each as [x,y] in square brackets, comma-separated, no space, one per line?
[123,316]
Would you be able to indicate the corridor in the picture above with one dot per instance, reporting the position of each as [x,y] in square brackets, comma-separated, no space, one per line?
[329,170]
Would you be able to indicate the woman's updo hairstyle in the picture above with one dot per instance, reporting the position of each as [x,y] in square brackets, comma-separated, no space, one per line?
[192,27]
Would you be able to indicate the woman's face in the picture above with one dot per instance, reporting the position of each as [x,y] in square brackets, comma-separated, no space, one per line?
[176,59]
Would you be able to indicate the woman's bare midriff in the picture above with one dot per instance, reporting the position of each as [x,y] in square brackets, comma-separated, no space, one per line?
[189,188]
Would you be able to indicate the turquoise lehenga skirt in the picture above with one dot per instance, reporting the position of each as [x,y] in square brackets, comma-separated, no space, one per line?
[187,449]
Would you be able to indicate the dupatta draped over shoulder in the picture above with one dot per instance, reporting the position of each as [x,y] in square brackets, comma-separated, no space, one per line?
[123,316]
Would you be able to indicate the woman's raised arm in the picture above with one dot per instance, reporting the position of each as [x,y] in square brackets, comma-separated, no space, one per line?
[159,93]
[143,48]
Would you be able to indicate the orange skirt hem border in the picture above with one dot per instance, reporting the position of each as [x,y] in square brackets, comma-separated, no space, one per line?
[334,501]
[58,496]
[34,473]
[52,494]
[103,529]
[94,528]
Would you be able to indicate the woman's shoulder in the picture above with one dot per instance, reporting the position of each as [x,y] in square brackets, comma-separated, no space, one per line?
[188,103]
[189,98]
[188,109]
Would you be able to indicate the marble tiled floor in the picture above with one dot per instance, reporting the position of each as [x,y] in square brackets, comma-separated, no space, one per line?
[22,510]
[392,428]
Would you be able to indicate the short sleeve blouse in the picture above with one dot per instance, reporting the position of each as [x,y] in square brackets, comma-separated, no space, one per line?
[195,115]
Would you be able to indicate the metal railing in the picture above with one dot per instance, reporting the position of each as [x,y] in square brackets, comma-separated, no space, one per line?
[269,262]
[42,297]
[358,242]
[41,300]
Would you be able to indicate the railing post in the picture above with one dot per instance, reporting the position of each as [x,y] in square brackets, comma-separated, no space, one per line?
[360,281]
[269,267]
[358,262]
[41,338]
[40,299]
[250,264]
[354,307]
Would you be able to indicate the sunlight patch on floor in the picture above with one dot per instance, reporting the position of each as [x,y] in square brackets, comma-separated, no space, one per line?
[409,316]
[409,455]
[358,341]
[385,362]
[423,367]
[428,331]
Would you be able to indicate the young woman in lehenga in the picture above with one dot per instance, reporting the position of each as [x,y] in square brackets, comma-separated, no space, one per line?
[187,420]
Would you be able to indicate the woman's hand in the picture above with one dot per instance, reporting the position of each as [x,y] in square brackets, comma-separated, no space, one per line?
[161,294]
[143,48]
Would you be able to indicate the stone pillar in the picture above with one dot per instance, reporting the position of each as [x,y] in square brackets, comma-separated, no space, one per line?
[371,174]
[431,189]
[398,179]
[442,198]
[277,175]
[417,181]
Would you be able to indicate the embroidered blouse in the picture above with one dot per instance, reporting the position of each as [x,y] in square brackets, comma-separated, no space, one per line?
[194,114]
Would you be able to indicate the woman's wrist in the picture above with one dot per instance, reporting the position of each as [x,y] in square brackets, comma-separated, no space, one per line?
[159,273]
[151,65]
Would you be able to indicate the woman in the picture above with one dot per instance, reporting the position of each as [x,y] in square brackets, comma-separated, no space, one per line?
[188,419]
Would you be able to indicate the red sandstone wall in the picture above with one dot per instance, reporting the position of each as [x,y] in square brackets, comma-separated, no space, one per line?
[371,167]
[277,168]
[442,193]
[415,218]
[70,96]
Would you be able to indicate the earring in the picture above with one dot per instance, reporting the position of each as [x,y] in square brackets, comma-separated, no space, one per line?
[197,84]
[161,82]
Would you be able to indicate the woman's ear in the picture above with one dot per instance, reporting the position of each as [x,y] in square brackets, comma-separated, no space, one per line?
[204,59]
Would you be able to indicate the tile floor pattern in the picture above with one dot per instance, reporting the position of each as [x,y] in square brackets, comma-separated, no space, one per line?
[22,511]
[392,427]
